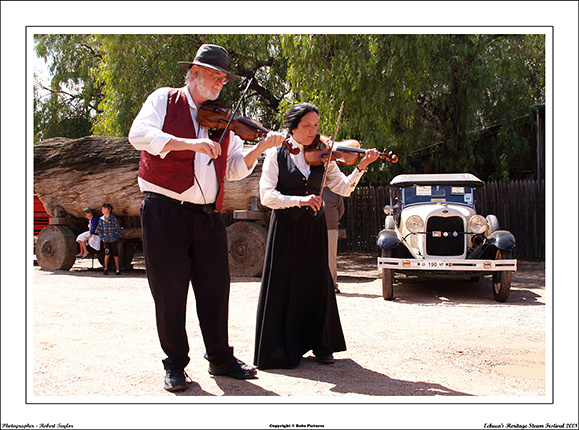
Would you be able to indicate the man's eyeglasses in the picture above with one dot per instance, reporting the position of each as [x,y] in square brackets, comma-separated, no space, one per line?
[216,77]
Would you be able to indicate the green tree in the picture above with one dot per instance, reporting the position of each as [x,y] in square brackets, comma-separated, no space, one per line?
[73,96]
[133,66]
[417,95]
[112,74]
[408,92]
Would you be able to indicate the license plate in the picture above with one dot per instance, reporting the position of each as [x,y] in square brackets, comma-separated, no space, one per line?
[433,264]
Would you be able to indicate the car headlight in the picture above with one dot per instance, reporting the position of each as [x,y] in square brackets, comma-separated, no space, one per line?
[414,224]
[477,224]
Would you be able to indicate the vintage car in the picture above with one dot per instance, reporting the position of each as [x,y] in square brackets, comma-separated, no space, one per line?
[432,229]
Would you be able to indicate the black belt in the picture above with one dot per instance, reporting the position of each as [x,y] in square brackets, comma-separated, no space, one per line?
[205,209]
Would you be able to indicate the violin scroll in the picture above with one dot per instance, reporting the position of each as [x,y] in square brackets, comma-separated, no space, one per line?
[288,145]
[391,157]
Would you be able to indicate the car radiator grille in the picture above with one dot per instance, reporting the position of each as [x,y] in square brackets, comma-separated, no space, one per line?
[447,244]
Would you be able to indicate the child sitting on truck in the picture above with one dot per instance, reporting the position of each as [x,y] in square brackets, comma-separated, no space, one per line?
[90,236]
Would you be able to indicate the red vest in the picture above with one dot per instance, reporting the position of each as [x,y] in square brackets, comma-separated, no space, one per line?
[175,171]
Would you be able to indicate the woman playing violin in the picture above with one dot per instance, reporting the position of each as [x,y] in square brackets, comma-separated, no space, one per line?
[297,309]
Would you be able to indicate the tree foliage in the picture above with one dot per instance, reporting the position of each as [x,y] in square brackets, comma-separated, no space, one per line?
[407,93]
[417,95]
[73,97]
[135,65]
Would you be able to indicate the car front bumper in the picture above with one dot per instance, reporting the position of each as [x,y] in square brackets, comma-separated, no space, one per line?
[445,264]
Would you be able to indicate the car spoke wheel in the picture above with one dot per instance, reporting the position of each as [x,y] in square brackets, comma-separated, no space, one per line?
[502,280]
[387,278]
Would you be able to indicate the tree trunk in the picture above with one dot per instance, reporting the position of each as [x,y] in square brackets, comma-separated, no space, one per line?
[89,171]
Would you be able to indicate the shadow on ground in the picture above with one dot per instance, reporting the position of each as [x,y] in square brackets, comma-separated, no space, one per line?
[346,377]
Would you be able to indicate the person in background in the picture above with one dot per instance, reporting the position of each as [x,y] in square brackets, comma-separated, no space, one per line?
[90,236]
[297,309]
[182,173]
[109,230]
[334,210]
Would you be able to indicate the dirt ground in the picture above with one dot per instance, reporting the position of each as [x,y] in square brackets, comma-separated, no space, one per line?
[94,341]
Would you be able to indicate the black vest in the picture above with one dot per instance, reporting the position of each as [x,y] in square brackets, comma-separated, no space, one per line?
[292,182]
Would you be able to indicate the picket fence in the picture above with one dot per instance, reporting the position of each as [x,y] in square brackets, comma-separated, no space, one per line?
[518,205]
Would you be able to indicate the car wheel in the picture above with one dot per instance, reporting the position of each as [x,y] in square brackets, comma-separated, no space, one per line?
[387,278]
[502,280]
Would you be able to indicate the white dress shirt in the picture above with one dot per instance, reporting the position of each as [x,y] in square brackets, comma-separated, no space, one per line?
[336,180]
[146,134]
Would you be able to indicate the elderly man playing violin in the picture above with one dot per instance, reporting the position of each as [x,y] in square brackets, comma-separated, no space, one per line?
[297,309]
[181,174]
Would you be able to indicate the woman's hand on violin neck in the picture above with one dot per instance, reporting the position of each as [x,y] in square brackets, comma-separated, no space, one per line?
[313,200]
[272,139]
[371,156]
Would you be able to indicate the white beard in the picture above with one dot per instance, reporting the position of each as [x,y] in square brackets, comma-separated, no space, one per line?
[208,94]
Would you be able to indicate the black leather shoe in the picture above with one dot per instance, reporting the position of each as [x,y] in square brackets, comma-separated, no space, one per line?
[325,359]
[235,369]
[176,380]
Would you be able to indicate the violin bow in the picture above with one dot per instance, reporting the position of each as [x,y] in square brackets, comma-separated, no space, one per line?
[331,150]
[232,116]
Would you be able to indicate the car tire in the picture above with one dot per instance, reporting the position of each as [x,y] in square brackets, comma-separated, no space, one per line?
[502,280]
[387,278]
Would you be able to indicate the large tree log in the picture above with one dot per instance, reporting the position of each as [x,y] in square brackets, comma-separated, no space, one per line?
[92,170]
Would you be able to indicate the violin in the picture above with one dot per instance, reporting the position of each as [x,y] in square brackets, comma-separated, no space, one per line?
[213,115]
[347,152]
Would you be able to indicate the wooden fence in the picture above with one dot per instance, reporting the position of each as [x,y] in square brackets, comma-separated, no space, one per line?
[518,205]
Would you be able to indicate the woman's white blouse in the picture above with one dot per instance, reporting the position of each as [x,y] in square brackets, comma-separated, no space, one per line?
[336,180]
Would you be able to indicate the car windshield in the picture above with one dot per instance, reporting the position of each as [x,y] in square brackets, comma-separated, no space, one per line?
[438,194]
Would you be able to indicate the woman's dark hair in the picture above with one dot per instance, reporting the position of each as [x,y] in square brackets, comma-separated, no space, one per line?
[296,113]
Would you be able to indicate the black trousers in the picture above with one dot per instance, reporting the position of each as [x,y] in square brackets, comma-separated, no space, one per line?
[182,246]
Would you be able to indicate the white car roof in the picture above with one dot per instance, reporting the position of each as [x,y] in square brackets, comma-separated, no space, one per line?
[465,179]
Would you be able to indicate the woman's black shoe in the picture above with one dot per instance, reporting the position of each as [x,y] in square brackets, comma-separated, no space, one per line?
[325,359]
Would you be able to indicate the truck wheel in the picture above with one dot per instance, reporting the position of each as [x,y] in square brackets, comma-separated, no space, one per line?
[56,248]
[246,243]
[502,280]
[387,278]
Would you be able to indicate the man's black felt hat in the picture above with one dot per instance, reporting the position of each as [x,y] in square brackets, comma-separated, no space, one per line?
[212,56]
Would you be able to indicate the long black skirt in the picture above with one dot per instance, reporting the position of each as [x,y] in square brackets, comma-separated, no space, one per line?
[297,310]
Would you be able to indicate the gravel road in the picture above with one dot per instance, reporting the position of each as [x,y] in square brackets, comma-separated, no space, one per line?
[94,341]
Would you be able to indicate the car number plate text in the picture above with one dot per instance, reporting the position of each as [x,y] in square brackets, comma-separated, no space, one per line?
[434,264]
